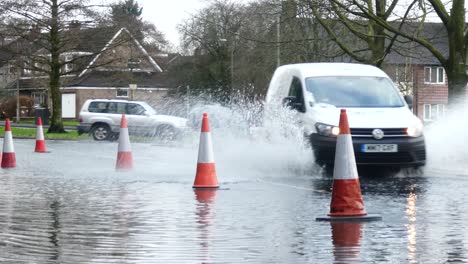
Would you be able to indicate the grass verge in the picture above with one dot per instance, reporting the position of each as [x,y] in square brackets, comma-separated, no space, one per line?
[31,133]
[29,120]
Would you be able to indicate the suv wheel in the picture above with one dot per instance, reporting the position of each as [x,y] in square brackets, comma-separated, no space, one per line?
[166,133]
[101,132]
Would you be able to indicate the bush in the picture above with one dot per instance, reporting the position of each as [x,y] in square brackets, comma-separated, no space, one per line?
[8,107]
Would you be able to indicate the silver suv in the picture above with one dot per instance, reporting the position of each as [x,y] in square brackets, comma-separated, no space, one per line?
[101,118]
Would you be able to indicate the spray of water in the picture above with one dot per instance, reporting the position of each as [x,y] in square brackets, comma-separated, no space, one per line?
[446,139]
[247,140]
[271,143]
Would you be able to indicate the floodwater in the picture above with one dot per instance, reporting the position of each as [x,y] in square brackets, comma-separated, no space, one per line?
[70,206]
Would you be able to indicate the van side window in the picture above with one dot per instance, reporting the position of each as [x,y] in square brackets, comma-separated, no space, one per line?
[295,89]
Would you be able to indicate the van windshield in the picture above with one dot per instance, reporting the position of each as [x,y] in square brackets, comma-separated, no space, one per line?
[353,91]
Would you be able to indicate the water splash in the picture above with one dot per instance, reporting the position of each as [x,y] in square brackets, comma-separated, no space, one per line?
[445,139]
[249,141]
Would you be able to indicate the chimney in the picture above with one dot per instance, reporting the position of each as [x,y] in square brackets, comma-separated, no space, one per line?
[74,26]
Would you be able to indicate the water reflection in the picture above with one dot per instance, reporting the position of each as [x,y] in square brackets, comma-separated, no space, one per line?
[55,231]
[346,241]
[205,199]
[411,227]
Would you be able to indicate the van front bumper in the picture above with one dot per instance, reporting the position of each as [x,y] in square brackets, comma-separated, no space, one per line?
[411,151]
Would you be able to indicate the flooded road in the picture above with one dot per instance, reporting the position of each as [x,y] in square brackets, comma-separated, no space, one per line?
[70,206]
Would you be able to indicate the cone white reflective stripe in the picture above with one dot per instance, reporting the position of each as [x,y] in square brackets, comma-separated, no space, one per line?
[39,133]
[345,162]
[8,143]
[124,140]
[205,151]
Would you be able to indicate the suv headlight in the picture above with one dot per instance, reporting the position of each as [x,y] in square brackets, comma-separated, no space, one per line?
[327,130]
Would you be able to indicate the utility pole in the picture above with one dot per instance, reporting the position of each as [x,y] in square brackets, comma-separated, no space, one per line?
[278,40]
[232,47]
[18,95]
[188,100]
[232,70]
[18,73]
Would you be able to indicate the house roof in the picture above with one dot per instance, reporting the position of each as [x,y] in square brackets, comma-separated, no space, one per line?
[110,43]
[123,79]
[34,83]
[406,52]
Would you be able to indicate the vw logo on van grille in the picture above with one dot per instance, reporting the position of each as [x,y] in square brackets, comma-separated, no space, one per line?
[378,133]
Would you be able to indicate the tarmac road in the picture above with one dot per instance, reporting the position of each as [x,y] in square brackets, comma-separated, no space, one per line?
[71,206]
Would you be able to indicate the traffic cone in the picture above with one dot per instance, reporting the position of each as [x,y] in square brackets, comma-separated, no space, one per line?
[346,203]
[206,171]
[8,156]
[40,142]
[124,156]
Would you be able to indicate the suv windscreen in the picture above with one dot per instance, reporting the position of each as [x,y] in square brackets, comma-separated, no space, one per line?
[135,109]
[354,91]
[149,110]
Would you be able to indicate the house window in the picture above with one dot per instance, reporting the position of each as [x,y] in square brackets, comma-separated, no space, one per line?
[133,64]
[433,111]
[39,97]
[434,74]
[68,66]
[122,92]
[27,71]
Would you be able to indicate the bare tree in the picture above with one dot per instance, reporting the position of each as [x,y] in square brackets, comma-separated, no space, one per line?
[452,16]
[44,31]
[211,35]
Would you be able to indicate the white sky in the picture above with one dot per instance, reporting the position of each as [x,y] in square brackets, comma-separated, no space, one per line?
[166,14]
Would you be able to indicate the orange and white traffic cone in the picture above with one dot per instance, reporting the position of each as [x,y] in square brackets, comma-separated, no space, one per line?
[124,155]
[8,156]
[346,203]
[206,171]
[40,142]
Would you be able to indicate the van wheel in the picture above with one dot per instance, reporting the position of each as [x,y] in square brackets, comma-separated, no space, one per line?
[101,132]
[165,133]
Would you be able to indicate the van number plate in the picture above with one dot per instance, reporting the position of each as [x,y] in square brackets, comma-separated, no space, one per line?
[379,148]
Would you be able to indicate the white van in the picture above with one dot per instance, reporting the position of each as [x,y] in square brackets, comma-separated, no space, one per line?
[384,130]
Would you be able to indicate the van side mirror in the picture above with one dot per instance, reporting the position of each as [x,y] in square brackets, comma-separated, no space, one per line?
[293,103]
[409,100]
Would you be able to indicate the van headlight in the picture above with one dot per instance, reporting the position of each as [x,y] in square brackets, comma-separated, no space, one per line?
[327,130]
[415,131]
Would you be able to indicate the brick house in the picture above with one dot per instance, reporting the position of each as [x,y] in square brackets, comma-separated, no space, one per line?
[117,66]
[428,85]
[417,72]
[126,71]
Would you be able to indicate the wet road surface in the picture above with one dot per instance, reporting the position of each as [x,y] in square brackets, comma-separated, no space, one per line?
[70,206]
